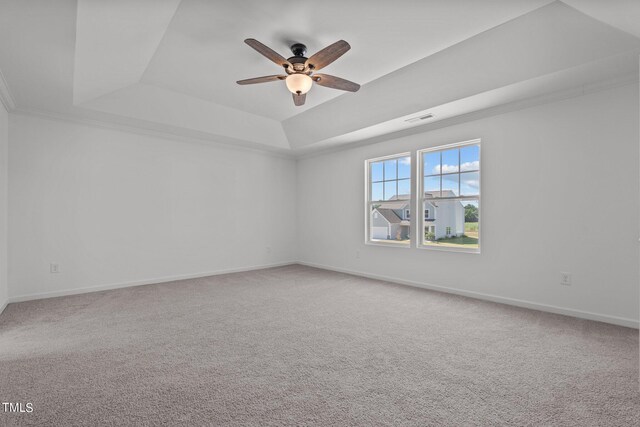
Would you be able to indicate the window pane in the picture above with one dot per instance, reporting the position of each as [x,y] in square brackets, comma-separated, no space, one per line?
[404,189]
[454,224]
[390,190]
[432,186]
[450,185]
[470,183]
[470,158]
[404,167]
[376,171]
[376,191]
[431,163]
[389,223]
[389,204]
[390,170]
[450,161]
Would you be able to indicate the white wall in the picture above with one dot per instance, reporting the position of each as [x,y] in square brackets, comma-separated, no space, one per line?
[113,207]
[543,168]
[4,176]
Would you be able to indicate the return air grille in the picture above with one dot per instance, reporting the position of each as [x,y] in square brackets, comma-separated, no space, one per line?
[419,118]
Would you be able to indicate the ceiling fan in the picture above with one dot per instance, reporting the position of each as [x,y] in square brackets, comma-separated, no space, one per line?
[300,69]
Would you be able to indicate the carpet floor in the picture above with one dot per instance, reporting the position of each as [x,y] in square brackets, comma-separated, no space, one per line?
[302,346]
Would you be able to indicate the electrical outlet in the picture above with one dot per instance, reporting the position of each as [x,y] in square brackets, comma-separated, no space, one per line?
[54,267]
[565,278]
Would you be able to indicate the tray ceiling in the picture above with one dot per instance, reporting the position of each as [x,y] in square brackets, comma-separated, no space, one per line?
[170,65]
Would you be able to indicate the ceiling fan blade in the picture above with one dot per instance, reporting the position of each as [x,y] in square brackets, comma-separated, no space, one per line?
[327,55]
[299,99]
[268,52]
[335,82]
[261,80]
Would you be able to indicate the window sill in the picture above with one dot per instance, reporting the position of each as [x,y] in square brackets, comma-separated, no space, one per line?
[389,243]
[475,251]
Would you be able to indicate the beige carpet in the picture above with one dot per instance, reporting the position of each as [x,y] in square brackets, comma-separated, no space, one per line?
[302,346]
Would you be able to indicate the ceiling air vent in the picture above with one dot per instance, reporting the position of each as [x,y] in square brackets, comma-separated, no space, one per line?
[419,118]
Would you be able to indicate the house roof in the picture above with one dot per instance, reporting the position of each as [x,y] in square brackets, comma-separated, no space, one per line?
[400,204]
[396,202]
[402,201]
[404,197]
[390,215]
[429,194]
[439,194]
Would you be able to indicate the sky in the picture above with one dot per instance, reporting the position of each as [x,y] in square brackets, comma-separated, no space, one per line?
[459,168]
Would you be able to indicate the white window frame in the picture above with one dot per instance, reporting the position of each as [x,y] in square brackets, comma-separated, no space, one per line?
[420,199]
[368,202]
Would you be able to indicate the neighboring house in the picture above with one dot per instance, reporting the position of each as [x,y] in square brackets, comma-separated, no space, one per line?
[443,218]
[390,224]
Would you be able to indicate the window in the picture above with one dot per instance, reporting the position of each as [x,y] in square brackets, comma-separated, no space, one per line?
[388,201]
[449,193]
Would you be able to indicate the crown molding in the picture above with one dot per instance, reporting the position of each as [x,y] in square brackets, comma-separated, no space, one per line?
[158,131]
[5,95]
[183,135]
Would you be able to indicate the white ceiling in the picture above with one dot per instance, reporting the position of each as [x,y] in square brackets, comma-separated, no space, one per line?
[115,40]
[171,65]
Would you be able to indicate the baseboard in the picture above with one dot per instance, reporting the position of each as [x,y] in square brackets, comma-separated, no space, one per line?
[3,305]
[615,320]
[98,288]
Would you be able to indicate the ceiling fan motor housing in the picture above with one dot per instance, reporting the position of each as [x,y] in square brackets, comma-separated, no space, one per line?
[298,60]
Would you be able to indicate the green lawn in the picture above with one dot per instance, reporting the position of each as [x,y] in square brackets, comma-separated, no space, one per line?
[469,240]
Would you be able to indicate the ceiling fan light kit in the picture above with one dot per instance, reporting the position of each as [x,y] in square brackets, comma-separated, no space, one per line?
[298,83]
[299,78]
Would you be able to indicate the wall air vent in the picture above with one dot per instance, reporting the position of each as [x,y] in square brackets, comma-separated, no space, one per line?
[419,118]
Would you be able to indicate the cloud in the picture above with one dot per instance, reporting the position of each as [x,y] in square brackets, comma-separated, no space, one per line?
[449,168]
[466,166]
[472,183]
[470,166]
